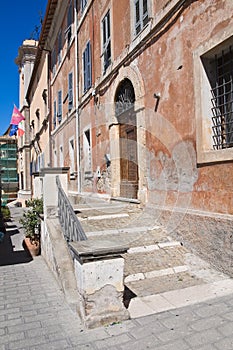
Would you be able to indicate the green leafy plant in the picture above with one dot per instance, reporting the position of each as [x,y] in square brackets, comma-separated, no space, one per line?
[31,219]
[6,213]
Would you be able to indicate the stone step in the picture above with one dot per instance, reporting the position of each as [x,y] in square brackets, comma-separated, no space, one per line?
[101,207]
[109,221]
[161,284]
[109,216]
[163,256]
[178,298]
[170,267]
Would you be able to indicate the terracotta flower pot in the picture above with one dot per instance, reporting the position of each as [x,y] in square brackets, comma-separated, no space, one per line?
[33,248]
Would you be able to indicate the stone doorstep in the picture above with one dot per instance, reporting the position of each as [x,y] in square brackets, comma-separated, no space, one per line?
[156,273]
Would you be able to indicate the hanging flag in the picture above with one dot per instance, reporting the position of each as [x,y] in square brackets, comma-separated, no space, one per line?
[16,116]
[13,130]
[21,128]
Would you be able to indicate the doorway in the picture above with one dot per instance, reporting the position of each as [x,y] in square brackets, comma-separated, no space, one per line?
[126,116]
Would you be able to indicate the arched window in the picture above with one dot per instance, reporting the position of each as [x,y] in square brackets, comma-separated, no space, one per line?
[125,97]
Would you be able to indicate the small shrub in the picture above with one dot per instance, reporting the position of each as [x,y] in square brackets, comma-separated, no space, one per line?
[31,219]
[5,213]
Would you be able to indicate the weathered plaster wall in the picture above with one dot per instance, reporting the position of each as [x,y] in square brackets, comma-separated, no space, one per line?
[167,153]
[167,67]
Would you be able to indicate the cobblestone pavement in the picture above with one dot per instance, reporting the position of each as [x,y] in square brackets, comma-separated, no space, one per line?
[34,314]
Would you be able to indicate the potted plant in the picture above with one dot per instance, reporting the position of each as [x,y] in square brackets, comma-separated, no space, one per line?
[31,224]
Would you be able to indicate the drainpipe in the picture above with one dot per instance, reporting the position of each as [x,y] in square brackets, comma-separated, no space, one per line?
[77,99]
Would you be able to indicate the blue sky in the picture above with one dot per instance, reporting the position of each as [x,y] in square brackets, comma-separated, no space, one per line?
[18,20]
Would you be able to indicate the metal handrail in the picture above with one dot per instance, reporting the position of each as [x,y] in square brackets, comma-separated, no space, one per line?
[71,227]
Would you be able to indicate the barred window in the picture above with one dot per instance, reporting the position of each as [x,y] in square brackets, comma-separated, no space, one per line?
[222,99]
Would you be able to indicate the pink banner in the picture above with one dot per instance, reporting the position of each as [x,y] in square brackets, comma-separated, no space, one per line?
[16,117]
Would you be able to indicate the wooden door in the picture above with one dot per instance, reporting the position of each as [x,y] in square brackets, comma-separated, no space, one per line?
[128,161]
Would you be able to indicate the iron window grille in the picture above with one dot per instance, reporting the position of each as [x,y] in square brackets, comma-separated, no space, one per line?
[141,15]
[222,100]
[106,41]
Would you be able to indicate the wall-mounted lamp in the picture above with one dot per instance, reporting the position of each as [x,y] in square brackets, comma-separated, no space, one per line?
[157,97]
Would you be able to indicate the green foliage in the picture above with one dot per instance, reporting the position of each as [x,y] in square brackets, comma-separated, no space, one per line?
[36,204]
[6,213]
[31,219]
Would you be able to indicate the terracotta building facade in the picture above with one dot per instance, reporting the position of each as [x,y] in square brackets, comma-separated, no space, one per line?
[155,101]
[140,100]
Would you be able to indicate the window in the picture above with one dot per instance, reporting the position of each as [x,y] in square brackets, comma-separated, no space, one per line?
[59,111]
[69,22]
[83,4]
[70,91]
[53,62]
[59,55]
[87,67]
[55,158]
[72,156]
[61,159]
[141,14]
[213,84]
[106,41]
[54,113]
[222,99]
[87,153]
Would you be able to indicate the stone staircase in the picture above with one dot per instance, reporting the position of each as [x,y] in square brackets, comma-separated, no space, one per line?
[155,263]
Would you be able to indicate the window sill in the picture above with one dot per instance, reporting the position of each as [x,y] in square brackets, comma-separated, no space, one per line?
[212,156]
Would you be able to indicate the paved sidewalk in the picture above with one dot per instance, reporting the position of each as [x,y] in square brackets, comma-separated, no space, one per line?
[34,314]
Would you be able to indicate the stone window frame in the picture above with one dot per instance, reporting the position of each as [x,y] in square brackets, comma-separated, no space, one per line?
[202,99]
